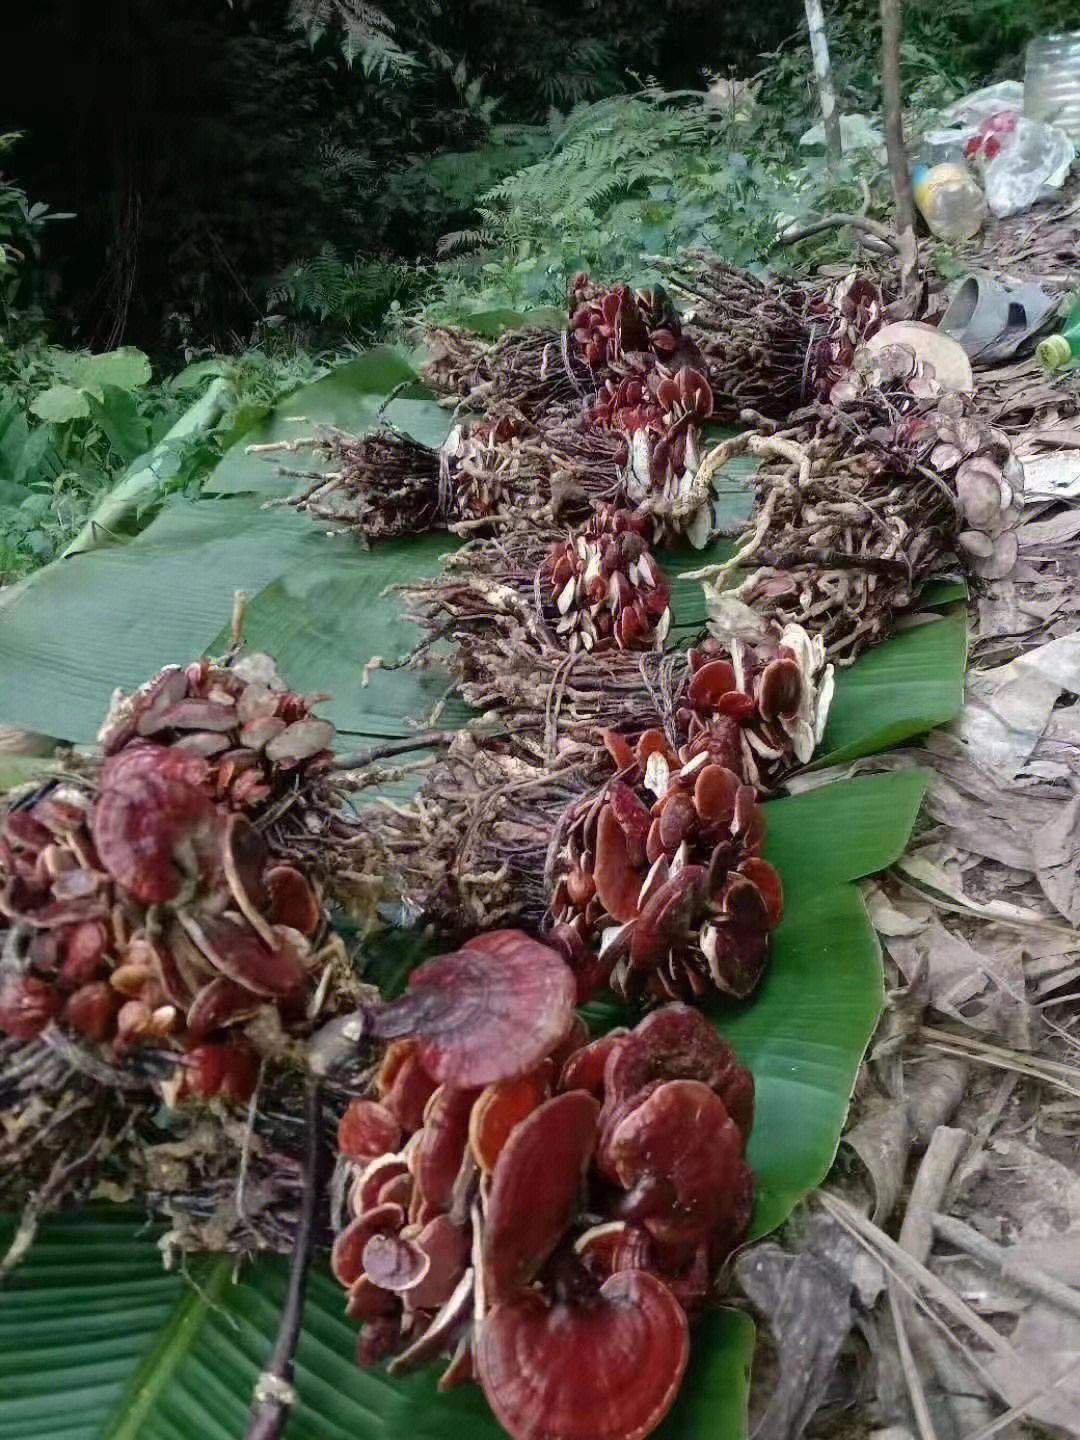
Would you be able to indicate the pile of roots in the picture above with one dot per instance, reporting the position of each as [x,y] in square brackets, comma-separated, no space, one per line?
[161,937]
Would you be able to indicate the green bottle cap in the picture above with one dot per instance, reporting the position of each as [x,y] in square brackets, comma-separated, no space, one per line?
[1053,352]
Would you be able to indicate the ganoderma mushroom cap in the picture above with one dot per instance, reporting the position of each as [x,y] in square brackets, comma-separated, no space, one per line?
[438,1154]
[605,1369]
[487,1012]
[682,1150]
[367,1130]
[154,820]
[498,1109]
[678,1043]
[536,1188]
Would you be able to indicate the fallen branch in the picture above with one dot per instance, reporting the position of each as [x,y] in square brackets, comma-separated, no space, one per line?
[835,220]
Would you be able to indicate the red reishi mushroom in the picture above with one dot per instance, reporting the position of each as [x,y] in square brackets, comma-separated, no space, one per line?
[437,1158]
[394,1263]
[367,1130]
[27,1004]
[679,1043]
[498,1109]
[91,1009]
[617,882]
[617,1245]
[292,901]
[485,1012]
[446,1246]
[607,1368]
[536,1187]
[370,1184]
[218,1003]
[347,1254]
[235,950]
[678,1154]
[230,1069]
[585,1070]
[154,822]
[403,1085]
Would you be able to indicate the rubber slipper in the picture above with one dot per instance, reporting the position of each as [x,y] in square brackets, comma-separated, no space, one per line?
[991,318]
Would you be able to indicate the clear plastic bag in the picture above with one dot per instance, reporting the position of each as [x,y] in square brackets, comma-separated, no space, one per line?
[1028,162]
[970,112]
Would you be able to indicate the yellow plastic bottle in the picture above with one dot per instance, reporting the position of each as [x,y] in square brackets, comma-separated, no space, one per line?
[949,200]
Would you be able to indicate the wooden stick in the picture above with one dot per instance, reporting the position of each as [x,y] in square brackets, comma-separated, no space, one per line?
[891,96]
[274,1394]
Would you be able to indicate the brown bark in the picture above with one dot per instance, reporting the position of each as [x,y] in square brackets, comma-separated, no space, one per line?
[891,27]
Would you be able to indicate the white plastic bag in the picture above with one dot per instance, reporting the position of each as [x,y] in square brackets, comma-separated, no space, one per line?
[969,113]
[1031,164]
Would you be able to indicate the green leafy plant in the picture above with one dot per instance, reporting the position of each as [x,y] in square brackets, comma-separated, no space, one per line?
[639,174]
[21,227]
[71,424]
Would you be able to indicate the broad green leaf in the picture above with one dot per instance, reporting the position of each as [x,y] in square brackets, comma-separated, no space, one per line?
[900,688]
[939,593]
[491,323]
[803,1037]
[352,397]
[98,1342]
[126,368]
[842,831]
[61,403]
[118,415]
[193,375]
[113,616]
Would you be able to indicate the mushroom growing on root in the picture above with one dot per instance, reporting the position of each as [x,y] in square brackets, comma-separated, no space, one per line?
[664,888]
[602,589]
[604,1368]
[255,737]
[587,1201]
[156,916]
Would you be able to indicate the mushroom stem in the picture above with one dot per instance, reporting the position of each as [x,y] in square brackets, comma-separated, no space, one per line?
[454,1313]
[274,1395]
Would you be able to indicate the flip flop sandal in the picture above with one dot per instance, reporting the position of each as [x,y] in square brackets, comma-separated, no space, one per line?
[991,318]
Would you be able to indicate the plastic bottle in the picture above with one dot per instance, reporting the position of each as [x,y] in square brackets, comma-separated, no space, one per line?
[1052,81]
[1062,349]
[949,200]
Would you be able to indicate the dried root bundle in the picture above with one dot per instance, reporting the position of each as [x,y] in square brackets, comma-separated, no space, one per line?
[468,851]
[161,936]
[770,348]
[530,372]
[495,475]
[513,1189]
[854,512]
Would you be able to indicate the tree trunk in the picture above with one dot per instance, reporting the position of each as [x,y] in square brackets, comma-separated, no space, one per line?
[891,26]
[819,48]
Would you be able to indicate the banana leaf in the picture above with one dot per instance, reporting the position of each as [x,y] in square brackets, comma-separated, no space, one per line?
[96,1340]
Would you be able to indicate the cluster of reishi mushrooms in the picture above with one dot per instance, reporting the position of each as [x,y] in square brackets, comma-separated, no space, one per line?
[660,870]
[139,904]
[521,1196]
[603,588]
[651,390]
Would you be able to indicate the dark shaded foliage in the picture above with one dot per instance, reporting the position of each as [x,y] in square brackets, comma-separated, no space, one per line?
[204,146]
